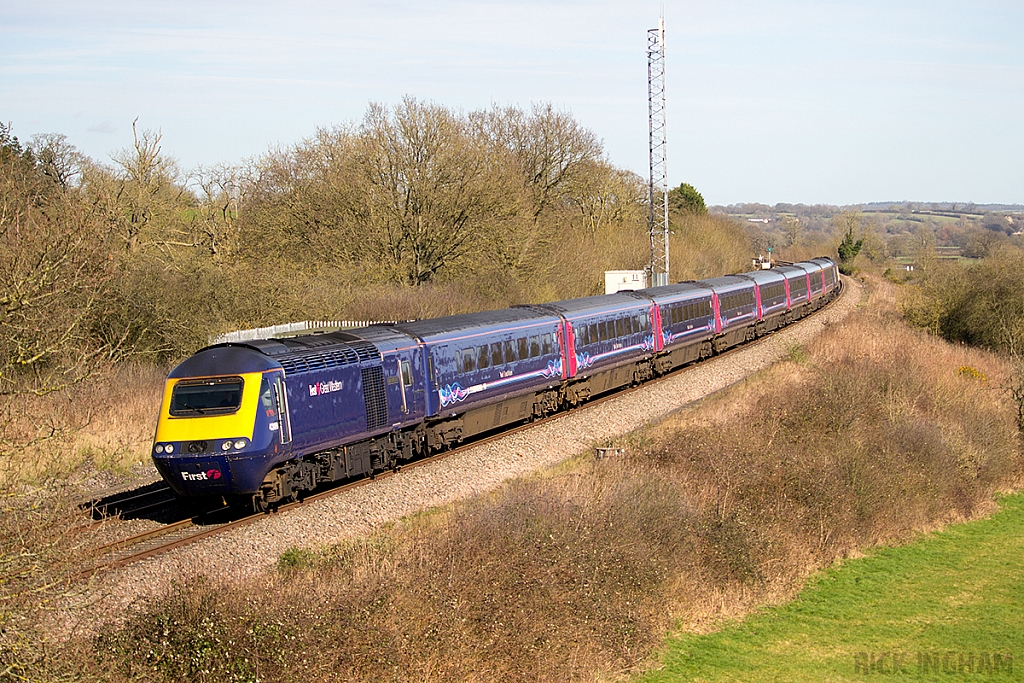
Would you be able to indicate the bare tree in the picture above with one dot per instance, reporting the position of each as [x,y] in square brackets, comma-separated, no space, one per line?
[426,185]
[54,268]
[218,191]
[146,193]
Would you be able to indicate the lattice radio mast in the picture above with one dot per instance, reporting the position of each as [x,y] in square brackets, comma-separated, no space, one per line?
[659,162]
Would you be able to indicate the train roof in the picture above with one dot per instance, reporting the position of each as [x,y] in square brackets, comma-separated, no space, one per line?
[593,305]
[435,329]
[679,288]
[809,266]
[293,354]
[224,359]
[790,272]
[763,277]
[680,291]
[727,283]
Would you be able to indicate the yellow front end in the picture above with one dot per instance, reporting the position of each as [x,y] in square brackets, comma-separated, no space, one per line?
[241,423]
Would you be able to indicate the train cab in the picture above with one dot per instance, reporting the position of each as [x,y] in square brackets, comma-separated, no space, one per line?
[224,410]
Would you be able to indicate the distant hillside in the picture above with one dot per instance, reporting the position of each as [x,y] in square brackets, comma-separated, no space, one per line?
[951,207]
[895,230]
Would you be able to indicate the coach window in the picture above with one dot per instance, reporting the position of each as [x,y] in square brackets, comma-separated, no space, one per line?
[468,362]
[482,357]
[510,351]
[643,320]
[524,350]
[620,329]
[592,333]
[534,346]
[496,358]
[545,343]
[602,331]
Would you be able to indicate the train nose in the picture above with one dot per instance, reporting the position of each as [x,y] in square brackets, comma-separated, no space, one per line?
[201,475]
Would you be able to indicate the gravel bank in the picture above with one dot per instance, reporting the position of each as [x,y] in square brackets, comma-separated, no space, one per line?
[253,548]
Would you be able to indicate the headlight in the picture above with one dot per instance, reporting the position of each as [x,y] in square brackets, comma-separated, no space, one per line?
[240,444]
[159,448]
[226,446]
[169,448]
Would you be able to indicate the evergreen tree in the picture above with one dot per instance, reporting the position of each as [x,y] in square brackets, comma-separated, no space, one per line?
[686,199]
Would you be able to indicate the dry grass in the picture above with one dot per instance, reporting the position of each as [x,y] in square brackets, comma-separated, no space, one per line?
[105,423]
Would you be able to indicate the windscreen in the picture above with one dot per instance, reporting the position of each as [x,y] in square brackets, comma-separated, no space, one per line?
[206,397]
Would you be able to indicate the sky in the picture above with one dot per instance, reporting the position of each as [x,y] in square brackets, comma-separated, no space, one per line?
[768,101]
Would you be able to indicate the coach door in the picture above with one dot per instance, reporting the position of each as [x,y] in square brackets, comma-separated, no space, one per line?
[407,366]
[404,394]
[279,396]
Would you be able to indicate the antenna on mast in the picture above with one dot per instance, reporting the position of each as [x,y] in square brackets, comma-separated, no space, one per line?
[658,219]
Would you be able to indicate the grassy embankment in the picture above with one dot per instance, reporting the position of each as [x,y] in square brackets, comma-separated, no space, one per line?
[868,436]
[945,605]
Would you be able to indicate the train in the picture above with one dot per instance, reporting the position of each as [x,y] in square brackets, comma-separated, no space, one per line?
[263,422]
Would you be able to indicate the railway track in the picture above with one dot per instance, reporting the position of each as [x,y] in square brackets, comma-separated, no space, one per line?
[131,504]
[221,519]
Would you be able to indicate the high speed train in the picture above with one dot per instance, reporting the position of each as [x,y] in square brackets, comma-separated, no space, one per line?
[263,422]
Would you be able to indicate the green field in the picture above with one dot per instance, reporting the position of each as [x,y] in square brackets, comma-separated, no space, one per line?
[949,606]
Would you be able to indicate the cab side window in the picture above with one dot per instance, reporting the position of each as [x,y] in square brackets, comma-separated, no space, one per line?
[266,400]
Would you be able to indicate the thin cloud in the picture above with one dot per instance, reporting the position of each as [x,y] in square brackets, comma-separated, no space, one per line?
[105,127]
